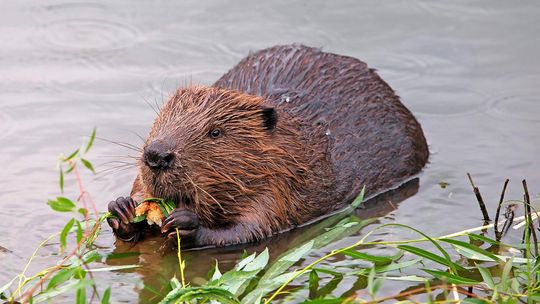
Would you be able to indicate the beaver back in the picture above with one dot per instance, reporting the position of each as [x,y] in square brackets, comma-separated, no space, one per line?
[375,140]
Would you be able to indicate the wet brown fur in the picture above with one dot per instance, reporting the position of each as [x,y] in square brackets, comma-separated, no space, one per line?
[339,127]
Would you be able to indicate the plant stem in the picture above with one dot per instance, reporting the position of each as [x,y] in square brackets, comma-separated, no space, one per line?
[180,262]
[480,199]
[497,233]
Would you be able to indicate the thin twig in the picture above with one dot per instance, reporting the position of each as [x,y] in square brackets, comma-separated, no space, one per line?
[480,200]
[530,225]
[497,233]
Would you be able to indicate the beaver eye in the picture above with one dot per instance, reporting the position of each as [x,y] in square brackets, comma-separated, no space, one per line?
[215,133]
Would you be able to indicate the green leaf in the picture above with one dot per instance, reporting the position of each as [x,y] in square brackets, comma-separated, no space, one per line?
[483,238]
[81,295]
[82,211]
[71,167]
[62,204]
[105,298]
[259,262]
[169,206]
[313,282]
[396,266]
[410,278]
[451,278]
[91,141]
[274,275]
[359,199]
[71,284]
[214,273]
[505,276]
[88,165]
[476,301]
[285,261]
[72,155]
[139,218]
[79,231]
[377,260]
[486,276]
[175,283]
[388,268]
[345,227]
[64,233]
[180,295]
[472,252]
[337,277]
[237,280]
[373,285]
[430,256]
[61,180]
[113,268]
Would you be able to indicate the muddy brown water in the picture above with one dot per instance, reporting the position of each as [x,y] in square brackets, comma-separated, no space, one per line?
[469,71]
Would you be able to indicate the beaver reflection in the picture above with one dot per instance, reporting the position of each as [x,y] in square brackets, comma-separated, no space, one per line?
[159,265]
[288,135]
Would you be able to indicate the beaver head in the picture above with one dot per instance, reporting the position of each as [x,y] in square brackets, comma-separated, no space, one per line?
[226,156]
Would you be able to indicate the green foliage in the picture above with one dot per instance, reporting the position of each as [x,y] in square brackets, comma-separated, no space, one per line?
[74,272]
[266,283]
[62,204]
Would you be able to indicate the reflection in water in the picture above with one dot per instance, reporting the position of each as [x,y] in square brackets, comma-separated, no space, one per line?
[468,70]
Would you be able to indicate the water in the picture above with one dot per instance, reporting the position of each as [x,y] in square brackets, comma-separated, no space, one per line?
[469,71]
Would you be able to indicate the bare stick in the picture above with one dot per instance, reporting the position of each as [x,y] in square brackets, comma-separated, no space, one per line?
[530,225]
[499,207]
[480,200]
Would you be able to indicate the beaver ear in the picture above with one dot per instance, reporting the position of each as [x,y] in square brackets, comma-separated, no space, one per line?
[269,117]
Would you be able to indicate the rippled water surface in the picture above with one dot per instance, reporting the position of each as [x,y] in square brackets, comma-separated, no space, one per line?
[470,72]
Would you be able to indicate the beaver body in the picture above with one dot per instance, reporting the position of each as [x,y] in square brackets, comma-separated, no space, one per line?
[375,140]
[288,135]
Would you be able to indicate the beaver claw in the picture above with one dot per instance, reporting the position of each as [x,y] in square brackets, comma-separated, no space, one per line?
[124,210]
[186,221]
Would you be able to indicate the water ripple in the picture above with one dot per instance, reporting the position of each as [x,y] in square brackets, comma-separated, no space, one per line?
[518,106]
[82,27]
[79,35]
[444,100]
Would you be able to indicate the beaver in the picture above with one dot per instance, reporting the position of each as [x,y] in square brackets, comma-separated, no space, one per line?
[287,136]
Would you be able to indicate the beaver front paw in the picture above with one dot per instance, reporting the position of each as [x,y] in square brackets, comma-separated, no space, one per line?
[123,208]
[185,220]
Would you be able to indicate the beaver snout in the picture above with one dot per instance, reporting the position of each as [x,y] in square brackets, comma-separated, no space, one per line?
[158,156]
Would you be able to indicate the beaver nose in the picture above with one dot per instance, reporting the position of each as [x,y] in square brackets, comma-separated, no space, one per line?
[158,156]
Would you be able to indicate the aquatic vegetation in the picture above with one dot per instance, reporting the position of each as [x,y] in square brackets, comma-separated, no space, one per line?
[153,210]
[469,266]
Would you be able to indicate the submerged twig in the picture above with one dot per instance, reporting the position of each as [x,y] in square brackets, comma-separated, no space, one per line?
[530,223]
[501,200]
[509,214]
[480,200]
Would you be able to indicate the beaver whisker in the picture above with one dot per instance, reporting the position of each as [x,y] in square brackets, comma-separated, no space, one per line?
[120,156]
[118,162]
[151,107]
[118,166]
[122,144]
[115,169]
[138,135]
